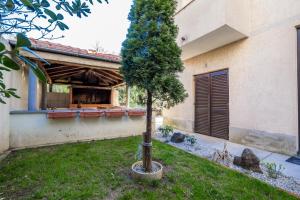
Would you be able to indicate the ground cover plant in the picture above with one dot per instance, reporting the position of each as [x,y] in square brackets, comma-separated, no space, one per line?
[101,170]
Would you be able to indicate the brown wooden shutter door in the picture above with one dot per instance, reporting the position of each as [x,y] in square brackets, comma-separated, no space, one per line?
[211,104]
[219,105]
[202,104]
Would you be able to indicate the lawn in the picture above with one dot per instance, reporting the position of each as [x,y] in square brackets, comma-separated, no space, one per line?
[100,170]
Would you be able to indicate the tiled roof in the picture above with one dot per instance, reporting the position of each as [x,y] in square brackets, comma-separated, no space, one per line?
[51,46]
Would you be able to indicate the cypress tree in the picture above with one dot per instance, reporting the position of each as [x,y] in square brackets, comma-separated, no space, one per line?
[151,59]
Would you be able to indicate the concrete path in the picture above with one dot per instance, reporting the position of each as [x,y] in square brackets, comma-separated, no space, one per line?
[292,170]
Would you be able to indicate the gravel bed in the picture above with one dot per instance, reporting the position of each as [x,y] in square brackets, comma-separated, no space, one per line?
[290,184]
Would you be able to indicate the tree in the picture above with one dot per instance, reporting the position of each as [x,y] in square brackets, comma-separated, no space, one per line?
[18,17]
[151,59]
[98,48]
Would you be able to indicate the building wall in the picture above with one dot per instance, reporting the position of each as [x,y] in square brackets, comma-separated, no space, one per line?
[4,121]
[182,3]
[4,114]
[35,129]
[19,80]
[262,79]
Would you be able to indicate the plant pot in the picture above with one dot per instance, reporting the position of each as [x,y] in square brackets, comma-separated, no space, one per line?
[136,113]
[138,173]
[91,114]
[61,115]
[115,113]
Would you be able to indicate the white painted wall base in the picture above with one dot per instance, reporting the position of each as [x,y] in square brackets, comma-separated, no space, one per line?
[31,130]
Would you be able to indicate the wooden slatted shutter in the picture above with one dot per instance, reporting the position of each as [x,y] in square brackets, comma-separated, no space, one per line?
[202,104]
[211,104]
[219,105]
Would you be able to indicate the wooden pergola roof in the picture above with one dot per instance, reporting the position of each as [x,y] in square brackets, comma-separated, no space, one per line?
[74,66]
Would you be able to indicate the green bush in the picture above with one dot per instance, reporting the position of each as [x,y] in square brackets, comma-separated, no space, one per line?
[191,140]
[274,170]
[166,130]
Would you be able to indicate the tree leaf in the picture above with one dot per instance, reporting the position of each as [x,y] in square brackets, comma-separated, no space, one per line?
[1,101]
[45,3]
[62,26]
[27,3]
[2,85]
[2,67]
[9,63]
[10,5]
[2,47]
[50,14]
[22,41]
[37,71]
[60,17]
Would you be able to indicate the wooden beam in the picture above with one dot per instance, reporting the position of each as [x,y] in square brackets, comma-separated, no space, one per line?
[114,72]
[105,76]
[70,74]
[65,70]
[91,87]
[59,67]
[44,97]
[62,59]
[119,85]
[80,65]
[111,75]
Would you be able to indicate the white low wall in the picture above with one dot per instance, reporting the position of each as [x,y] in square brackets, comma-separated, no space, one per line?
[35,129]
[4,112]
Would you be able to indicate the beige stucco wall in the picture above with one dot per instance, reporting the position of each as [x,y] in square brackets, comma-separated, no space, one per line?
[30,130]
[4,121]
[262,74]
[19,80]
[4,112]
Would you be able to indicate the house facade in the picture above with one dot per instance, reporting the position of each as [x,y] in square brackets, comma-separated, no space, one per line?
[240,61]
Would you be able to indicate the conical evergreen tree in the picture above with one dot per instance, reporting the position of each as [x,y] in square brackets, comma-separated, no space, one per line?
[151,58]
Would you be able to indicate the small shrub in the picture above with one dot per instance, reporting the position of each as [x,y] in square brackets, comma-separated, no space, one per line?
[274,170]
[191,140]
[166,130]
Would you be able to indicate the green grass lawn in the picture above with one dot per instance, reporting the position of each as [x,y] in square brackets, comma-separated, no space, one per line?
[101,170]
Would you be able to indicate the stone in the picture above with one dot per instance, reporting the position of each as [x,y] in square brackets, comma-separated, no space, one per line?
[177,137]
[248,161]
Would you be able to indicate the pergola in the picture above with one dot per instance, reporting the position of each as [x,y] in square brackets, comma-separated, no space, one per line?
[76,67]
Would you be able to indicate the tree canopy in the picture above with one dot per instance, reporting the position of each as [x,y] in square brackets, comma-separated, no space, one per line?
[18,17]
[150,54]
[43,16]
[151,59]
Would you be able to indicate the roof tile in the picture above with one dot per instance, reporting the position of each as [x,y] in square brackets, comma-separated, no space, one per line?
[56,46]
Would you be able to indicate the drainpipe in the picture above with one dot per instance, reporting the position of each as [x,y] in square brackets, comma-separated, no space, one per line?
[298,77]
[32,91]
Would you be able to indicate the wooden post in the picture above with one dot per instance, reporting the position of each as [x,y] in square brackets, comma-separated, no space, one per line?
[44,97]
[127,96]
[147,145]
[50,87]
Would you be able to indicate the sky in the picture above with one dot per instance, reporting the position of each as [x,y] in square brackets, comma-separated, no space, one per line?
[107,24]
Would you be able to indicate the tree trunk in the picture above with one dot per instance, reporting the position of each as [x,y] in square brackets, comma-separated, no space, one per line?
[147,145]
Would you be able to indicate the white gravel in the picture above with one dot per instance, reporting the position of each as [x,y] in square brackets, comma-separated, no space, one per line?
[284,182]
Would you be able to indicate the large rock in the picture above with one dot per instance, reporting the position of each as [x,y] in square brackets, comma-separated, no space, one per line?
[177,137]
[248,160]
